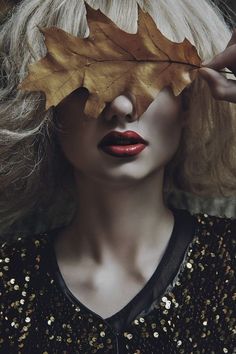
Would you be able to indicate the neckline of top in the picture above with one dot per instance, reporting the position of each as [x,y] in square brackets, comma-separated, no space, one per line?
[132,305]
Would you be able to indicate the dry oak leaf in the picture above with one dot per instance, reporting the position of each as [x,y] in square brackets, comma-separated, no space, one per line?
[110,62]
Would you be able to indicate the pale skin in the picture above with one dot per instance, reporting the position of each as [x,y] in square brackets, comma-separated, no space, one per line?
[119,201]
[122,226]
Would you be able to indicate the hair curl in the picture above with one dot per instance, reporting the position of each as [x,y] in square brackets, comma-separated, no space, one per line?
[33,172]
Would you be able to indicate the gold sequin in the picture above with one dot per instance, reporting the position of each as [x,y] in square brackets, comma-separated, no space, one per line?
[195,312]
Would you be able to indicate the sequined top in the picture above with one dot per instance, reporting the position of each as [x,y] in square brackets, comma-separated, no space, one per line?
[189,305]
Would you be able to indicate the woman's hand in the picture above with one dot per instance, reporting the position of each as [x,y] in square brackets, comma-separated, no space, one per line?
[222,88]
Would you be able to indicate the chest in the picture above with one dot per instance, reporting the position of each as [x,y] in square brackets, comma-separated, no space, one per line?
[105,291]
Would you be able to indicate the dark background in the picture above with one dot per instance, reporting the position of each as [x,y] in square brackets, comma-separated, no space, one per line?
[214,206]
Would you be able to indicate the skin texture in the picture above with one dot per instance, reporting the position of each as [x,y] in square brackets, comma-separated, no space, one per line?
[82,134]
[122,226]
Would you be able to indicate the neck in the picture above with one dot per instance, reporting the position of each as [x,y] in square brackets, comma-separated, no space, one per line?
[121,219]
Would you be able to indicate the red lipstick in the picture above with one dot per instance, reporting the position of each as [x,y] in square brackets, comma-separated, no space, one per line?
[124,144]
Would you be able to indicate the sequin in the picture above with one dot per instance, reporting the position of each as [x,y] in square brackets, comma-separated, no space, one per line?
[195,314]
[168,304]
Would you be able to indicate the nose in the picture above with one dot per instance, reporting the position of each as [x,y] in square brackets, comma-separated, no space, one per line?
[122,107]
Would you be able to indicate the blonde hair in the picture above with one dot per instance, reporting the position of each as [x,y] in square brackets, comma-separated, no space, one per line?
[34,173]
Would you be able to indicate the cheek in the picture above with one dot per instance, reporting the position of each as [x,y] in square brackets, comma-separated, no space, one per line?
[165,128]
[76,129]
[69,134]
[170,129]
[76,143]
[166,120]
[167,140]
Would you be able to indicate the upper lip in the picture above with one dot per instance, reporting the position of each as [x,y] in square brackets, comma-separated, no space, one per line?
[115,136]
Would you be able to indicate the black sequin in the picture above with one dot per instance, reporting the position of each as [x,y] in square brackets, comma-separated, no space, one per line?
[194,314]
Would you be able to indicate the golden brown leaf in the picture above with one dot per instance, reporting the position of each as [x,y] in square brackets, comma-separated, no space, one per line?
[110,62]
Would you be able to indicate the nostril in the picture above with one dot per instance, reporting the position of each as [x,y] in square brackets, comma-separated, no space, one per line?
[129,117]
[126,116]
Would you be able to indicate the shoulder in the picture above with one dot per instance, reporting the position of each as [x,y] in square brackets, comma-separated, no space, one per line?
[218,233]
[13,250]
[23,254]
[20,257]
[18,246]
[216,224]
[20,274]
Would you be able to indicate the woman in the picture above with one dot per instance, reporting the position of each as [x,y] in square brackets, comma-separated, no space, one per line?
[128,274]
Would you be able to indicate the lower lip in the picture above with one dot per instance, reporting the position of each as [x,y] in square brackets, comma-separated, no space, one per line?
[123,150]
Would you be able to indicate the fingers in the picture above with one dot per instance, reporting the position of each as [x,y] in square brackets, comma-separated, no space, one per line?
[226,59]
[221,88]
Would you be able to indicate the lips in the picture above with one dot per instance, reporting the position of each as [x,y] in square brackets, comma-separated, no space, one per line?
[118,138]
[124,144]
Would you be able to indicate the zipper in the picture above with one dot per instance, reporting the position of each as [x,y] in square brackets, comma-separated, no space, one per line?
[119,346]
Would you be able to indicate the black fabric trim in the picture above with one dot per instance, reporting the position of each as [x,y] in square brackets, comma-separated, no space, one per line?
[165,272]
[182,235]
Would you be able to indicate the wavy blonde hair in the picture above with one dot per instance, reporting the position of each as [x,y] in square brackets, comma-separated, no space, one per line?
[35,175]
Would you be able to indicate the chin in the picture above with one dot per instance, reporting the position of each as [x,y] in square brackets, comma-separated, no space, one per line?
[124,175]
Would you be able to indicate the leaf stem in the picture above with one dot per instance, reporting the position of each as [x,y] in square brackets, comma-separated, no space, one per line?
[198,67]
[184,63]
